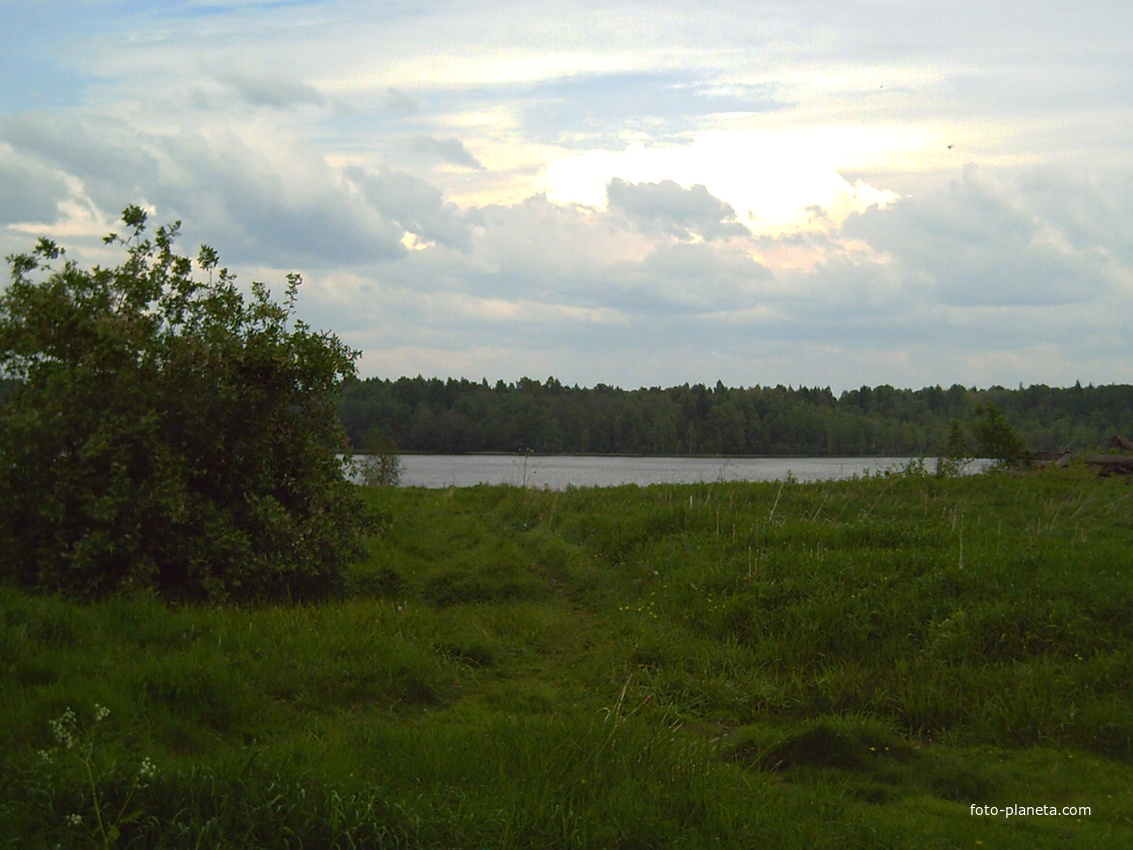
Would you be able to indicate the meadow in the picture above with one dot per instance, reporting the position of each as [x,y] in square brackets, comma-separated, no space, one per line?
[828,665]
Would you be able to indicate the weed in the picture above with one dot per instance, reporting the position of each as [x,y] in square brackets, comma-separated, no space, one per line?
[101,820]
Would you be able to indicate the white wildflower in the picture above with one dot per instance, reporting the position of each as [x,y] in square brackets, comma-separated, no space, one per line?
[63,729]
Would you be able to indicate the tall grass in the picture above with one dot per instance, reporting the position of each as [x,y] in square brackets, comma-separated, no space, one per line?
[823,665]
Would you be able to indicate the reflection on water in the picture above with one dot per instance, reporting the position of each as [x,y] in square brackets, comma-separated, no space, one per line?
[557,472]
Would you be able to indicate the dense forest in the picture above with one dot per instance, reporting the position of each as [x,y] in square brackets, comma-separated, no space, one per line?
[456,416]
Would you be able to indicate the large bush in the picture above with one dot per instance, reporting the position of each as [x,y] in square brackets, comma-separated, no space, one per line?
[167,432]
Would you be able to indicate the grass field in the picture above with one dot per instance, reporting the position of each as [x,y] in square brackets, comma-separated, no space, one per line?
[842,664]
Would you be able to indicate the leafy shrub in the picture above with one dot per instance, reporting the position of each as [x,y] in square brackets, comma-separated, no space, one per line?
[164,432]
[380,464]
[996,439]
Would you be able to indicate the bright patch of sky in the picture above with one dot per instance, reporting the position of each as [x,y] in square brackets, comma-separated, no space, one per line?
[633,193]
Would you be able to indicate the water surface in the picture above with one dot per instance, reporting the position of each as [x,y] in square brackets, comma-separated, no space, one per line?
[557,472]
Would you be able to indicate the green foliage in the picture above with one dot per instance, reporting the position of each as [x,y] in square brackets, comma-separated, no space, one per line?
[433,415]
[955,454]
[838,664]
[380,464]
[995,438]
[75,757]
[166,432]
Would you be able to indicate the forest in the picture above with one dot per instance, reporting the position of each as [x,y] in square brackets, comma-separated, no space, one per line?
[458,416]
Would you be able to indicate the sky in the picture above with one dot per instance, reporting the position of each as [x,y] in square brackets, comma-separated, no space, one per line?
[799,192]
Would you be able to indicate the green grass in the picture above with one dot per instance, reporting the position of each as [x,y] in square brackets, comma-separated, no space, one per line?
[842,664]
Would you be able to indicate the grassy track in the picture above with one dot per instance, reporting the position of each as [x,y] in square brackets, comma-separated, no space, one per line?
[843,664]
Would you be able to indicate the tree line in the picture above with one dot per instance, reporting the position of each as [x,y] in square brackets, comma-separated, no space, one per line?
[459,416]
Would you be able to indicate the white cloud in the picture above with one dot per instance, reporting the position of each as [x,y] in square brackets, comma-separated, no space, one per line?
[274,90]
[676,211]
[30,190]
[980,243]
[416,206]
[451,151]
[769,178]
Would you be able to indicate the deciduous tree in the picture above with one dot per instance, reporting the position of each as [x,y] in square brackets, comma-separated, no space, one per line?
[168,431]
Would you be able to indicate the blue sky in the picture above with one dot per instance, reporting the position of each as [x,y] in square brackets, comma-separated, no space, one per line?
[815,192]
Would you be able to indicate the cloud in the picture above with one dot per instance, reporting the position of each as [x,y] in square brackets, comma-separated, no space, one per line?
[398,101]
[979,243]
[259,191]
[578,261]
[110,159]
[587,193]
[549,284]
[450,150]
[691,279]
[260,196]
[582,109]
[415,205]
[539,249]
[1093,212]
[273,90]
[681,213]
[30,191]
[270,198]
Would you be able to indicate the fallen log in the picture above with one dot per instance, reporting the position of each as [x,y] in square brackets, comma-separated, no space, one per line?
[1112,464]
[1058,459]
[1119,442]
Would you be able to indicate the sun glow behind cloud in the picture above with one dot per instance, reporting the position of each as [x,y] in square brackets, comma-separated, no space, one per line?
[773,179]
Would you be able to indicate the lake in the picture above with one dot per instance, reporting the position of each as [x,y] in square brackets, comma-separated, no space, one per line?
[557,472]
